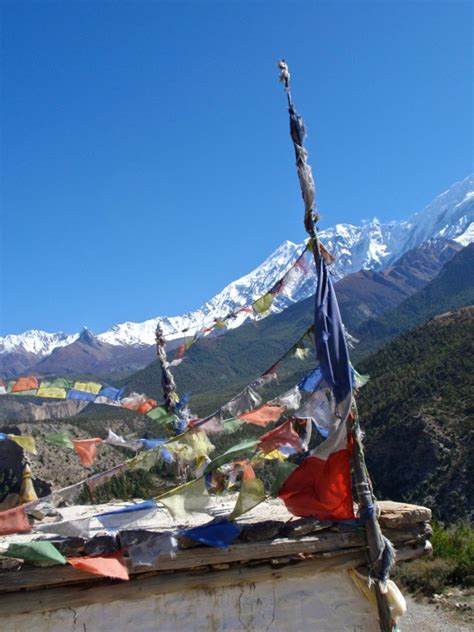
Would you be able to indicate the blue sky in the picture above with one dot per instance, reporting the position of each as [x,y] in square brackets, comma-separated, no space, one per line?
[146,159]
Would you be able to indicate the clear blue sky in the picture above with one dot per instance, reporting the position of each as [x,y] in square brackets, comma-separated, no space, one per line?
[146,158]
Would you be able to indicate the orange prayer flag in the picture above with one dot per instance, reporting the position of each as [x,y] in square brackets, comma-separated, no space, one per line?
[14,521]
[25,384]
[105,566]
[86,449]
[144,408]
[263,415]
[248,473]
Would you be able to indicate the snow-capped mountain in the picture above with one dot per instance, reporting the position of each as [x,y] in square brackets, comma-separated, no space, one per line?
[372,245]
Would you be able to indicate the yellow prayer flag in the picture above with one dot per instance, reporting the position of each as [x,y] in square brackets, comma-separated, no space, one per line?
[252,493]
[88,387]
[191,446]
[52,391]
[275,454]
[27,443]
[188,498]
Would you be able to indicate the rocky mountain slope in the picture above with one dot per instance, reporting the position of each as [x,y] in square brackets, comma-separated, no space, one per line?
[371,246]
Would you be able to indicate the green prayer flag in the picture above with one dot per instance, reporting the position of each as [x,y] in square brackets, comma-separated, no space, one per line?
[263,304]
[39,553]
[57,382]
[59,438]
[251,494]
[160,414]
[237,451]
[231,425]
[283,470]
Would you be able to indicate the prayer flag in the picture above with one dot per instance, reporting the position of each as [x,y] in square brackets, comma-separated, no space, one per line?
[263,304]
[14,521]
[283,435]
[321,485]
[310,381]
[88,387]
[73,393]
[25,384]
[188,498]
[220,534]
[248,399]
[112,393]
[251,494]
[159,414]
[119,441]
[263,415]
[58,382]
[156,546]
[40,553]
[86,449]
[106,566]
[132,515]
[59,438]
[54,392]
[242,449]
[27,443]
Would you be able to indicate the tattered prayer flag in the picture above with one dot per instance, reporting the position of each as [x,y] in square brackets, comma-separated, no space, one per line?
[186,499]
[248,473]
[263,304]
[88,387]
[25,384]
[86,449]
[191,446]
[105,566]
[248,399]
[280,436]
[73,393]
[251,494]
[59,438]
[154,547]
[132,515]
[79,528]
[290,400]
[159,414]
[231,425]
[53,392]
[112,393]
[301,352]
[40,553]
[14,521]
[321,485]
[263,415]
[310,381]
[145,408]
[133,401]
[282,470]
[27,443]
[242,449]
[221,534]
[321,408]
[121,442]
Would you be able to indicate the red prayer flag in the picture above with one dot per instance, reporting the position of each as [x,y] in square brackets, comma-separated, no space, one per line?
[320,487]
[14,521]
[105,566]
[283,435]
[86,449]
[263,415]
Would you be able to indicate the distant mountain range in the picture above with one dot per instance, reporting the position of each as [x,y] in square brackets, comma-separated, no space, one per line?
[372,248]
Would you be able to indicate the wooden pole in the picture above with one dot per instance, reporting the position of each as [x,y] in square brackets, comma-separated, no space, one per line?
[375,541]
[167,380]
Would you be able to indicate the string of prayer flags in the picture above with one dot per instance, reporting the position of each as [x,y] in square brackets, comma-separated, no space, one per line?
[186,499]
[14,521]
[61,439]
[40,553]
[218,534]
[105,566]
[321,485]
[86,450]
[263,415]
[130,516]
[251,494]
[27,443]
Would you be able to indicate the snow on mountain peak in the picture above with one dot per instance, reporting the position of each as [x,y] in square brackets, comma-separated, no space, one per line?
[372,245]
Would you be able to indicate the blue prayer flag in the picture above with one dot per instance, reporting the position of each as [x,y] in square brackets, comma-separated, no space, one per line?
[73,393]
[220,534]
